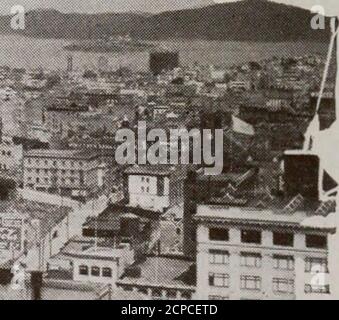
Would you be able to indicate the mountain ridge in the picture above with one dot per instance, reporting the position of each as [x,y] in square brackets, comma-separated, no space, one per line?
[247,20]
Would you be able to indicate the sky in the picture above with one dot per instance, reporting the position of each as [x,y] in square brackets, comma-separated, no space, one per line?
[91,6]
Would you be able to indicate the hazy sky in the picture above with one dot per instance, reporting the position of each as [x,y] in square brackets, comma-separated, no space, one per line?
[127,5]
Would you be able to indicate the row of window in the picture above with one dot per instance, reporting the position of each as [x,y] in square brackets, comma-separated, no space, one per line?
[8,153]
[280,262]
[284,239]
[55,163]
[53,180]
[95,271]
[279,285]
[46,171]
[145,179]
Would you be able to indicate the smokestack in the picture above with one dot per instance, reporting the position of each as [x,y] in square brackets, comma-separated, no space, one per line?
[36,284]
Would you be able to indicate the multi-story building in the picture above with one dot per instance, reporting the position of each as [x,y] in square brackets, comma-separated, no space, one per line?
[73,173]
[249,253]
[269,245]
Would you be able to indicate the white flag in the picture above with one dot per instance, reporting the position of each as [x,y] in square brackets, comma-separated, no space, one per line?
[241,126]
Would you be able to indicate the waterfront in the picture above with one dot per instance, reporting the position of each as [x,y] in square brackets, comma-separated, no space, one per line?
[23,52]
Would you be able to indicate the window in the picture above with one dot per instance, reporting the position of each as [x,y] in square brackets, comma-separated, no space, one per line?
[83,270]
[317,288]
[250,282]
[250,259]
[95,271]
[219,280]
[218,257]
[251,236]
[283,285]
[218,234]
[315,265]
[316,241]
[283,262]
[55,234]
[107,272]
[283,239]
[142,189]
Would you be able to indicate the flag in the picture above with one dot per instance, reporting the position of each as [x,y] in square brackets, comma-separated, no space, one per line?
[242,127]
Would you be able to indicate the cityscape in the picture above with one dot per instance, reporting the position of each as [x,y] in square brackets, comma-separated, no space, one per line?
[241,206]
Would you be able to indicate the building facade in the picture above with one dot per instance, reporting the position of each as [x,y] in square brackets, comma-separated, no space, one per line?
[67,172]
[255,255]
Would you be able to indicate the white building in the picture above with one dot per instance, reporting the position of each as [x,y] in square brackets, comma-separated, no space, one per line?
[248,253]
[154,187]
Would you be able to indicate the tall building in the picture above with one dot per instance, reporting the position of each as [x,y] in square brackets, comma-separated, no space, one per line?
[163,61]
[267,245]
[250,253]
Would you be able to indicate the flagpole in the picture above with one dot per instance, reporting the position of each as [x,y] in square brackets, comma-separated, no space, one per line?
[231,148]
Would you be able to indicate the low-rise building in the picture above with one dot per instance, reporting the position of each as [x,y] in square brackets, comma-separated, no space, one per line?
[154,187]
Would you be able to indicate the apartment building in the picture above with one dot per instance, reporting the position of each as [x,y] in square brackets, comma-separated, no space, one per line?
[252,253]
[74,173]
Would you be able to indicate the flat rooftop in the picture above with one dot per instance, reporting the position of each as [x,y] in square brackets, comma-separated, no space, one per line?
[163,272]
[269,216]
[62,154]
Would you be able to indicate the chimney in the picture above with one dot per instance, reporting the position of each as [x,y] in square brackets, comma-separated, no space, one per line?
[301,174]
[36,284]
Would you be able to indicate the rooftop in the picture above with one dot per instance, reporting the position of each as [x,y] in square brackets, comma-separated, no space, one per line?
[279,215]
[151,170]
[163,272]
[63,154]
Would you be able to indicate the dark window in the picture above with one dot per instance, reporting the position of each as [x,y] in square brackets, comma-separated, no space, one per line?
[107,272]
[95,271]
[251,236]
[283,239]
[218,280]
[83,270]
[316,241]
[218,234]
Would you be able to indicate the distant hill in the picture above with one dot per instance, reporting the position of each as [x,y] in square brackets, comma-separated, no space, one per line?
[247,20]
[256,20]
